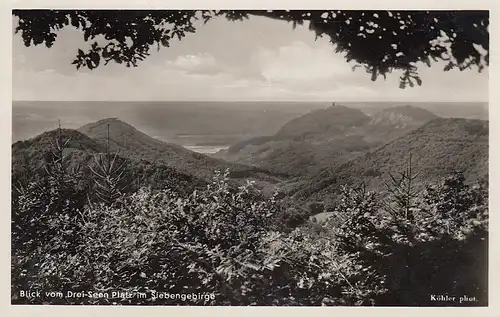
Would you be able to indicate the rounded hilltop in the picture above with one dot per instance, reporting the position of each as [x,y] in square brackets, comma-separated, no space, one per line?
[335,118]
[401,117]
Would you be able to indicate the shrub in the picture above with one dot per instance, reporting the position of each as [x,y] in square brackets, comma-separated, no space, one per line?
[45,219]
[220,240]
[440,249]
[158,240]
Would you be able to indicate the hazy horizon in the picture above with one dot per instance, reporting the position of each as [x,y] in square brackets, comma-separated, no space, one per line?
[196,123]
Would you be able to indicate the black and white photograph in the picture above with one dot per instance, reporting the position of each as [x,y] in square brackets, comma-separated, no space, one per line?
[250,157]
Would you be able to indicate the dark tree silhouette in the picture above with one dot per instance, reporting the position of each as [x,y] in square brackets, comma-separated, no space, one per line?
[403,192]
[378,41]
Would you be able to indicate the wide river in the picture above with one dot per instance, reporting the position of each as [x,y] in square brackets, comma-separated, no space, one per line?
[205,149]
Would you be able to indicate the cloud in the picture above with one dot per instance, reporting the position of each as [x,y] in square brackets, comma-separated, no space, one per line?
[195,61]
[313,71]
[201,63]
[299,61]
[307,69]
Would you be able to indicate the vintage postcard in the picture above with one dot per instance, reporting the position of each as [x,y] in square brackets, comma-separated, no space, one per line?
[202,157]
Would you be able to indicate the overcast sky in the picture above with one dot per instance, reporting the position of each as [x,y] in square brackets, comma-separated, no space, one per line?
[258,59]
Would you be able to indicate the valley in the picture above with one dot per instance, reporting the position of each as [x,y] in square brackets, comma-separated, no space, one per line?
[308,158]
[330,172]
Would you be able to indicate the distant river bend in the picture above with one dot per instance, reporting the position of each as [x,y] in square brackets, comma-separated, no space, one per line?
[206,149]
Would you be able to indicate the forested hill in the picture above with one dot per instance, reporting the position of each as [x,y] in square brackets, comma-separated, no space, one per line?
[148,160]
[30,157]
[401,117]
[332,120]
[326,137]
[439,148]
[391,123]
[134,143]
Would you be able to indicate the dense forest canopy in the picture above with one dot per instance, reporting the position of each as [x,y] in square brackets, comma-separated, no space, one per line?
[378,41]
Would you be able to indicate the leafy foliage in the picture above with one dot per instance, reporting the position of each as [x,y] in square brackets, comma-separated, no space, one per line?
[402,261]
[223,240]
[398,40]
[219,240]
[45,216]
